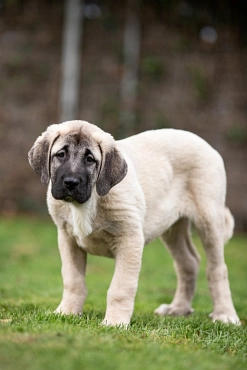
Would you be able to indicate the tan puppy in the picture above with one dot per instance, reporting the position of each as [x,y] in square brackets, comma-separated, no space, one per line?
[110,198]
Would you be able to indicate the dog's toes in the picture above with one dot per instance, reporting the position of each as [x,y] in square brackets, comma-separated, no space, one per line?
[67,310]
[162,310]
[168,309]
[118,324]
[58,310]
[225,318]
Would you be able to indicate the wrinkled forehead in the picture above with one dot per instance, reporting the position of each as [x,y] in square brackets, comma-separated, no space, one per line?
[76,141]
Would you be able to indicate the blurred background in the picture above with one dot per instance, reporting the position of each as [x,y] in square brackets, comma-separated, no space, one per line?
[126,66]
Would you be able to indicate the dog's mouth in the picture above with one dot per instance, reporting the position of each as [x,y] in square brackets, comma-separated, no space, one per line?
[68,198]
[72,198]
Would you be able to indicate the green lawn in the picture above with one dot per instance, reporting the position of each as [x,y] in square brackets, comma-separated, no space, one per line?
[32,337]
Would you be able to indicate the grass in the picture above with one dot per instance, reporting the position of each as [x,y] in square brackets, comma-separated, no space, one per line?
[32,337]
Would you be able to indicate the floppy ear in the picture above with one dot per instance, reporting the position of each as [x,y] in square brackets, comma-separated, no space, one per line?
[113,169]
[39,155]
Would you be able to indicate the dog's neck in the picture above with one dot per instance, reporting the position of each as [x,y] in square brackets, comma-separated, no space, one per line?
[83,216]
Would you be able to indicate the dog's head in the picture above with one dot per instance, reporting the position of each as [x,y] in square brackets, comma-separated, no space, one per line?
[77,156]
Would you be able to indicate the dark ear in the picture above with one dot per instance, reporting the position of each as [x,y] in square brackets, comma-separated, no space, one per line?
[39,155]
[113,169]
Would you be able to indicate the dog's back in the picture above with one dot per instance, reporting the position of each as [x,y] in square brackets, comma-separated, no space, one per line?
[178,171]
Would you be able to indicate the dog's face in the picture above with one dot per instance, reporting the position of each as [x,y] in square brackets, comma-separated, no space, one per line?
[74,167]
[77,156]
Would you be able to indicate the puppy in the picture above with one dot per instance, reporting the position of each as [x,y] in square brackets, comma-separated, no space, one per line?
[110,198]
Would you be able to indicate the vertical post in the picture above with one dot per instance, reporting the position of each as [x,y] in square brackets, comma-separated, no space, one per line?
[70,79]
[129,84]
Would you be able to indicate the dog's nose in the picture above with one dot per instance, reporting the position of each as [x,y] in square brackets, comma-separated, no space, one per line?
[71,182]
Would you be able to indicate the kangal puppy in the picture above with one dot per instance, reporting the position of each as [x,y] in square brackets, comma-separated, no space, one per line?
[110,198]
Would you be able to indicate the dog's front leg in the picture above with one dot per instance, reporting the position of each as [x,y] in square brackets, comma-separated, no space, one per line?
[73,274]
[122,291]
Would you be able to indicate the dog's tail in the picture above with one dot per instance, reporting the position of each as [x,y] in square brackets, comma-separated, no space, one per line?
[229,225]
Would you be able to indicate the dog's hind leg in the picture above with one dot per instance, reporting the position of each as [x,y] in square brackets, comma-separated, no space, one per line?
[186,263]
[214,226]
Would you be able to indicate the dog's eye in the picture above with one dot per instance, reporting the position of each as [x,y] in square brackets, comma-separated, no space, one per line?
[90,158]
[60,154]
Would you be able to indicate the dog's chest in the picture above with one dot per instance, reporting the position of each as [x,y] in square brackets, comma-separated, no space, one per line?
[83,228]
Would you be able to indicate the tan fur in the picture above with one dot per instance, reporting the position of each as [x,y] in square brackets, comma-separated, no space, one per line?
[174,179]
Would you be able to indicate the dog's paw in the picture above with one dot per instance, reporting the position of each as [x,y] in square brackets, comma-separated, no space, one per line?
[115,322]
[225,318]
[169,309]
[63,309]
